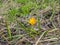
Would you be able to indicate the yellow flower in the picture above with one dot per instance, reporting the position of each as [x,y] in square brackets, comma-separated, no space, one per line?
[32,21]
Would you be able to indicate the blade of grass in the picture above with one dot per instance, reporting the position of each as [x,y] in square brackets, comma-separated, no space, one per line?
[30,31]
[39,25]
[53,11]
[23,27]
[8,30]
[16,36]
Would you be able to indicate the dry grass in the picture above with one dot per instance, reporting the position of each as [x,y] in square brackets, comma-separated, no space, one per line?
[47,15]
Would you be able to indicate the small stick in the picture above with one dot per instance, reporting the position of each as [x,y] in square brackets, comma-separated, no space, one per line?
[40,38]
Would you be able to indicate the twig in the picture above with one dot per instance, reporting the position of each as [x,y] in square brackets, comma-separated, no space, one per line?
[40,38]
[20,41]
[45,10]
[52,39]
[53,30]
[43,35]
